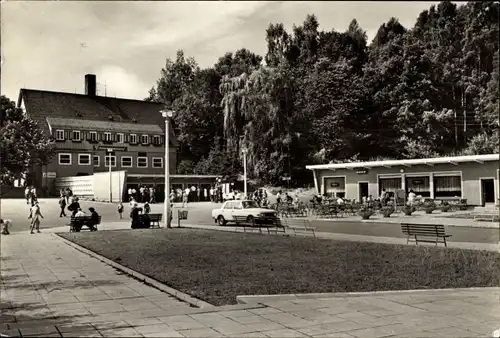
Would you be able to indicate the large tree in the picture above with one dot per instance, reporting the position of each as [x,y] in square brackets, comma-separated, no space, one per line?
[22,143]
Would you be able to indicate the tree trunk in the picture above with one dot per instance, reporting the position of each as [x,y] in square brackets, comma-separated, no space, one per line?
[455,119]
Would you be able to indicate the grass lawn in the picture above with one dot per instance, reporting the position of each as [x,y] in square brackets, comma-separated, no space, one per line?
[217,266]
[493,218]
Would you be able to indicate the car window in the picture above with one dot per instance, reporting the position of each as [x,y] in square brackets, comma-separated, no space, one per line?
[237,205]
[250,204]
[227,205]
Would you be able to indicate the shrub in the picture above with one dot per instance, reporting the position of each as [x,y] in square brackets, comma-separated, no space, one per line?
[387,211]
[365,212]
[408,210]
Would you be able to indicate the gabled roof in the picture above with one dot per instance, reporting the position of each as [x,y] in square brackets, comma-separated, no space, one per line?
[425,161]
[41,105]
[57,122]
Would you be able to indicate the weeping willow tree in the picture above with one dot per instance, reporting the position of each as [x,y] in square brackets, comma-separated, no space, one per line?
[266,113]
[233,91]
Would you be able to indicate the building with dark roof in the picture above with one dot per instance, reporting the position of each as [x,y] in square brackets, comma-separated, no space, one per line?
[86,126]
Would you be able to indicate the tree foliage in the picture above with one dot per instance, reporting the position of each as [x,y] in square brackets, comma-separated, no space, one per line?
[22,143]
[327,96]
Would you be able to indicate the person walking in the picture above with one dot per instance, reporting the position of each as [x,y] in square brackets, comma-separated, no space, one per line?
[35,215]
[185,198]
[205,194]
[212,194]
[62,205]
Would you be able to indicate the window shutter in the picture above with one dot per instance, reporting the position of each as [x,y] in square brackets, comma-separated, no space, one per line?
[103,136]
[114,137]
[70,135]
[125,138]
[88,135]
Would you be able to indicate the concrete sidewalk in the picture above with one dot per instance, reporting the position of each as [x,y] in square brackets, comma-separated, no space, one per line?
[51,289]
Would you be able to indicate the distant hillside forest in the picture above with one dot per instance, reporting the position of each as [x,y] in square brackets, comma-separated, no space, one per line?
[327,96]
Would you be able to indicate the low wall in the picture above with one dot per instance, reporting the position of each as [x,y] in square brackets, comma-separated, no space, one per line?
[82,186]
[11,192]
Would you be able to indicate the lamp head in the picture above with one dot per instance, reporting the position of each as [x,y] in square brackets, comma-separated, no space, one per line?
[167,113]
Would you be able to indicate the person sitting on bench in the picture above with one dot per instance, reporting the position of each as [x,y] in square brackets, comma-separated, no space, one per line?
[5,224]
[79,213]
[94,219]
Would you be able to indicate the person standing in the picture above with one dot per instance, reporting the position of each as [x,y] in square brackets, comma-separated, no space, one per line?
[147,208]
[35,215]
[27,194]
[120,209]
[383,197]
[62,205]
[205,194]
[185,197]
[211,194]
[129,191]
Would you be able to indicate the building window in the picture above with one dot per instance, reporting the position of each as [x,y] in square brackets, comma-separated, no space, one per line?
[97,160]
[133,138]
[93,136]
[119,138]
[107,137]
[156,140]
[113,160]
[64,159]
[390,185]
[447,186]
[60,135]
[126,161]
[335,186]
[76,135]
[420,185]
[157,162]
[144,139]
[83,159]
[142,162]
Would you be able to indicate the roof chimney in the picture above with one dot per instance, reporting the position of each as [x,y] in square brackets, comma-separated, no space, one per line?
[90,84]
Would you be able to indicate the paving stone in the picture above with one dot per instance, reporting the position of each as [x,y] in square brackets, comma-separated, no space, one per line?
[201,333]
[265,311]
[111,325]
[70,327]
[283,333]
[166,330]
[265,326]
[335,335]
[381,331]
[289,320]
[183,322]
[12,333]
[320,329]
[123,332]
[39,330]
[350,326]
[143,321]
[451,332]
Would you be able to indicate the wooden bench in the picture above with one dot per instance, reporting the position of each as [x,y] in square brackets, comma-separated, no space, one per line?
[299,225]
[154,219]
[424,230]
[77,222]
[245,223]
[181,215]
[277,226]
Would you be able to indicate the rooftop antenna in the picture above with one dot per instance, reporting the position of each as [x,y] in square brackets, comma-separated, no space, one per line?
[105,88]
[97,88]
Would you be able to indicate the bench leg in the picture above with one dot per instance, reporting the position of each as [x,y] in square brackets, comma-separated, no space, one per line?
[444,240]
[314,234]
[416,240]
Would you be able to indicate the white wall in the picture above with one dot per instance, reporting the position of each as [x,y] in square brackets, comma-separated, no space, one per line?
[101,187]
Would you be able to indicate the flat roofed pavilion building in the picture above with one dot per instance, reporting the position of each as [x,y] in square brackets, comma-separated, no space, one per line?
[475,178]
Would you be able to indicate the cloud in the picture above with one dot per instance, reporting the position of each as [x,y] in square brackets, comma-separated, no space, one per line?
[117,81]
[126,42]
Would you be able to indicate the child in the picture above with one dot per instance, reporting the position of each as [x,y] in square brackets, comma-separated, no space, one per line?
[120,209]
[6,224]
[147,208]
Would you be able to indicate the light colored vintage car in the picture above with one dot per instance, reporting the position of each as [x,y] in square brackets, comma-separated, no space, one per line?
[248,208]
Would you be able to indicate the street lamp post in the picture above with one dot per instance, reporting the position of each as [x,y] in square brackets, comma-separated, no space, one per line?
[245,151]
[167,114]
[110,151]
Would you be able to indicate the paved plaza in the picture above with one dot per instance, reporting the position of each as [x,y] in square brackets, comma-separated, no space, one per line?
[51,289]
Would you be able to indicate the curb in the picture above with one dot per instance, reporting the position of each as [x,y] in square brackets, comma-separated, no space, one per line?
[250,299]
[177,294]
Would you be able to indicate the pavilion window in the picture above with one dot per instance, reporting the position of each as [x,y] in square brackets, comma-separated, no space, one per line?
[420,185]
[389,184]
[447,186]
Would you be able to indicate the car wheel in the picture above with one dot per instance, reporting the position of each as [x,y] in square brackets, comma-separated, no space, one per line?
[221,221]
[250,219]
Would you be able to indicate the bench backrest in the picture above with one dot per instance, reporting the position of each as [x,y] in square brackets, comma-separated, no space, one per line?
[82,219]
[305,223]
[423,229]
[153,217]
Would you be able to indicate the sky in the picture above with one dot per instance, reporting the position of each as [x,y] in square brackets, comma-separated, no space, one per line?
[51,45]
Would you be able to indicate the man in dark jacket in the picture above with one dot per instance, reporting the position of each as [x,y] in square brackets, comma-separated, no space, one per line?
[94,219]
